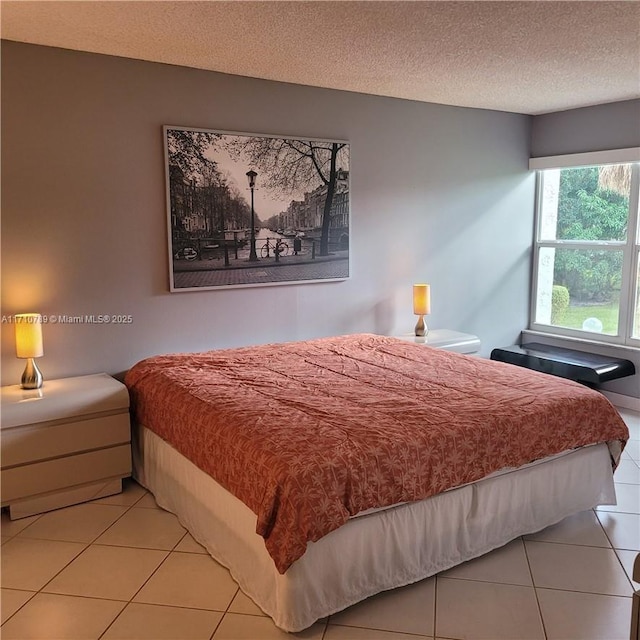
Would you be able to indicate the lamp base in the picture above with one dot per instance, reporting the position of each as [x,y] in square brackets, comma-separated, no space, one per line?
[421,327]
[32,376]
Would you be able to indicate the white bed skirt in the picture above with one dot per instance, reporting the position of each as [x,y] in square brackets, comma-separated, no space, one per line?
[379,551]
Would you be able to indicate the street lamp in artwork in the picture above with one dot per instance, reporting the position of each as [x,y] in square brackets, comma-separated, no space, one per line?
[253,256]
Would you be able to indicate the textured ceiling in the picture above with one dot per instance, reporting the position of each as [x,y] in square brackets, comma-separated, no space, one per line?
[525,57]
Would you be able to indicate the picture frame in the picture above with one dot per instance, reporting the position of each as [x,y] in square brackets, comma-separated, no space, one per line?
[252,210]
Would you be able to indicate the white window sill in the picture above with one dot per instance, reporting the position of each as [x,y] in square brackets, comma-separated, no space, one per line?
[609,347]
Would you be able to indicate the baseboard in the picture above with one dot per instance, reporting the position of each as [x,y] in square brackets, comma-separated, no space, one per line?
[622,401]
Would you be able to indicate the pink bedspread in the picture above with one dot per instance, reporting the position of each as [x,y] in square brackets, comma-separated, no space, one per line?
[308,434]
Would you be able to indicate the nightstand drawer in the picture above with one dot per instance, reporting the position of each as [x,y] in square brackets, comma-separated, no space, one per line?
[42,477]
[32,443]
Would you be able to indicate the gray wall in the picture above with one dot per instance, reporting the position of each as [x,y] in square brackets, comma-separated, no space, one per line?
[438,194]
[606,126]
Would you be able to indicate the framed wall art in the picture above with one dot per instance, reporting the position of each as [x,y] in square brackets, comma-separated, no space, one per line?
[247,210]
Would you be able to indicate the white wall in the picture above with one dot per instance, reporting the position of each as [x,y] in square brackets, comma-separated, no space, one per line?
[438,194]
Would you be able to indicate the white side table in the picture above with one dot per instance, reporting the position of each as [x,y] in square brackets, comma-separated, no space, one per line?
[66,443]
[445,339]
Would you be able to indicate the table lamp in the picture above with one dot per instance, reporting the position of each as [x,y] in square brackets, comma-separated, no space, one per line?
[29,346]
[421,307]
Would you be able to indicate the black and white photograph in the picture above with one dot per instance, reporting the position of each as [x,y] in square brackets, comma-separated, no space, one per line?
[248,210]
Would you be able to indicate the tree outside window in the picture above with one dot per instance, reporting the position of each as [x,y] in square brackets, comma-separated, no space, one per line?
[586,279]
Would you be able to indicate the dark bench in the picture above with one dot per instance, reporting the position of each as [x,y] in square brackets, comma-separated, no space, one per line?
[588,368]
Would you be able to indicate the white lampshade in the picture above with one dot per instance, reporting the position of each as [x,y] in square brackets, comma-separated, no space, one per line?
[29,335]
[421,299]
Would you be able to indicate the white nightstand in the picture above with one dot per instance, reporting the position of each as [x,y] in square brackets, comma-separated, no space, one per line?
[66,443]
[446,339]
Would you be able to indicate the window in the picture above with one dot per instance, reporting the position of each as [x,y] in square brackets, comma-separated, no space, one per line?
[586,277]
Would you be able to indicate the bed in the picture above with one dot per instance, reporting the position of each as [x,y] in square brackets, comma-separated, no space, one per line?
[325,471]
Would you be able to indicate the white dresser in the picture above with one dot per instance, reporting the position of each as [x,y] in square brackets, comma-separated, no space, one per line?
[66,443]
[445,339]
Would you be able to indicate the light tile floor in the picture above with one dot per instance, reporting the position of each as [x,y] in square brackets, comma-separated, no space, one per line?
[120,567]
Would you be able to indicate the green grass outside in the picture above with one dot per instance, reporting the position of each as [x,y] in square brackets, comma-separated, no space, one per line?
[574,316]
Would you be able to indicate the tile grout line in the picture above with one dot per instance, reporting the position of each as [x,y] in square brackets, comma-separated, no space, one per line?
[624,571]
[326,628]
[610,548]
[94,543]
[130,601]
[535,590]
[588,593]
[224,613]
[33,594]
[418,636]
[90,542]
[169,552]
[87,546]
[129,507]
[39,591]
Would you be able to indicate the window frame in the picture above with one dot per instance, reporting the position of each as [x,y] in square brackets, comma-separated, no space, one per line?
[630,247]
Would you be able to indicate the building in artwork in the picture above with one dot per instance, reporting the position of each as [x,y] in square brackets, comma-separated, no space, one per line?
[306,215]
